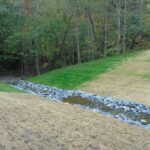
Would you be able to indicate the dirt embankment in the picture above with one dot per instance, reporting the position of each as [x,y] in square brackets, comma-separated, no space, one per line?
[130,81]
[30,122]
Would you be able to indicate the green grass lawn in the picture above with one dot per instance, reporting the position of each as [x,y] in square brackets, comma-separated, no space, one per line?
[144,75]
[73,76]
[8,88]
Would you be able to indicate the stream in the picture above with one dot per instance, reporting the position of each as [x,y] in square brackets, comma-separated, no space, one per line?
[126,111]
[102,108]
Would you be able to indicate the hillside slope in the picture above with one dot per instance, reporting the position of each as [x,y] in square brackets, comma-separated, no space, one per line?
[7,88]
[30,122]
[130,80]
[73,76]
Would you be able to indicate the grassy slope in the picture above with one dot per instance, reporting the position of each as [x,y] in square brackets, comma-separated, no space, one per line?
[7,88]
[147,75]
[73,76]
[129,81]
[144,75]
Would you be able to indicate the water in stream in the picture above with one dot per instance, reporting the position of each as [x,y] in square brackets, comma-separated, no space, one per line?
[132,113]
[100,107]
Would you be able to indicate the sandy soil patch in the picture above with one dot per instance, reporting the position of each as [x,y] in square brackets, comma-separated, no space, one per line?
[126,81]
[33,123]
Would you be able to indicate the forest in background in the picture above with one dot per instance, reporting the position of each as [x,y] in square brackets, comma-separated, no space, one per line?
[41,35]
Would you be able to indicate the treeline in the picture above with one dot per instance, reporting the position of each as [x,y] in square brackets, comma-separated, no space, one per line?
[41,35]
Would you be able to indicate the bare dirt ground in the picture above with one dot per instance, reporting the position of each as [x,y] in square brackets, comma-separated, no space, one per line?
[33,123]
[128,81]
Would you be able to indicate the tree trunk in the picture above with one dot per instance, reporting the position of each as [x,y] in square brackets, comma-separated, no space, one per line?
[105,38]
[35,12]
[22,70]
[92,24]
[90,37]
[37,67]
[124,30]
[62,53]
[78,45]
[119,26]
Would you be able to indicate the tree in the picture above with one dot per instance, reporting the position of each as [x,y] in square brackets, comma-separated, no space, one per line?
[37,36]
[118,25]
[106,14]
[124,29]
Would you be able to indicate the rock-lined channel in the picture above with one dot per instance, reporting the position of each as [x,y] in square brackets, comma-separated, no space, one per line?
[131,112]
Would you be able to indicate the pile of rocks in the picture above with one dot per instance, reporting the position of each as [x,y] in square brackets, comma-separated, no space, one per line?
[59,94]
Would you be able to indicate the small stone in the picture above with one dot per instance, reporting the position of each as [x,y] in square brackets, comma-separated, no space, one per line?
[144,122]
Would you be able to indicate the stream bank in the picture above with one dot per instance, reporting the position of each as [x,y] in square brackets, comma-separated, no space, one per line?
[131,112]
